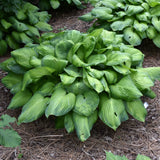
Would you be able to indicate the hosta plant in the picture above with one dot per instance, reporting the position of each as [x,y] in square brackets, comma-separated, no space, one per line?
[135,19]
[8,137]
[48,4]
[77,78]
[111,156]
[20,23]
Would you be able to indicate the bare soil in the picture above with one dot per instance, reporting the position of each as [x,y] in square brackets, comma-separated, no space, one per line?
[40,141]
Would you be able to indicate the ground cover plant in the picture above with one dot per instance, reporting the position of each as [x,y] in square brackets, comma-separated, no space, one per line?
[111,156]
[20,23]
[79,77]
[8,137]
[134,19]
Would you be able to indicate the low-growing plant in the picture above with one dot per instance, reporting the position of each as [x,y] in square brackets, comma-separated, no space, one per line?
[48,4]
[79,77]
[8,137]
[20,23]
[111,156]
[134,19]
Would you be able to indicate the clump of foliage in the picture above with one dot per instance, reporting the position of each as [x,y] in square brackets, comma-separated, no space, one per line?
[111,156]
[135,19]
[48,4]
[20,23]
[79,77]
[8,137]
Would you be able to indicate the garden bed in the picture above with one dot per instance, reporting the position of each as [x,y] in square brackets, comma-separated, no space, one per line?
[40,141]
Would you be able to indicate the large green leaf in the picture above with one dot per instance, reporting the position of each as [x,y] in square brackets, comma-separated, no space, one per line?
[86,103]
[155,11]
[33,109]
[156,23]
[74,35]
[135,54]
[43,26]
[5,24]
[140,27]
[81,126]
[62,48]
[73,71]
[45,50]
[142,80]
[132,37]
[112,111]
[122,69]
[47,89]
[17,25]
[4,64]
[121,24]
[111,76]
[102,13]
[20,99]
[87,17]
[136,109]
[32,31]
[95,84]
[153,3]
[55,4]
[110,4]
[73,51]
[96,59]
[60,103]
[66,79]
[87,46]
[11,80]
[54,63]
[117,57]
[108,37]
[33,19]
[68,123]
[30,7]
[43,16]
[133,9]
[25,39]
[144,16]
[156,41]
[11,66]
[153,72]
[105,85]
[11,42]
[95,73]
[78,62]
[22,56]
[125,89]
[77,87]
[35,74]
[35,62]
[77,2]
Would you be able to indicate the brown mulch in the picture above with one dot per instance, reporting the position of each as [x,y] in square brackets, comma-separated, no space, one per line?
[40,141]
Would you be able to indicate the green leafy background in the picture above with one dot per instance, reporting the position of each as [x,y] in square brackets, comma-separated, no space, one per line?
[134,19]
